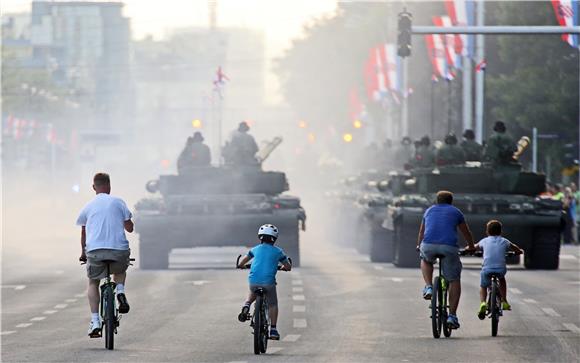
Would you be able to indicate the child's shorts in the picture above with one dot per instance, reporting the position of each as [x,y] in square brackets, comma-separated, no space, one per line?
[486,275]
[271,294]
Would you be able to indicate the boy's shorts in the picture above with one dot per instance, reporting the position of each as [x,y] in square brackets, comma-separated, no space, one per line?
[451,264]
[486,275]
[271,294]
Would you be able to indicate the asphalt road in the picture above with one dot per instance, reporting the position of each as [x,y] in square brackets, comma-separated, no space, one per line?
[338,307]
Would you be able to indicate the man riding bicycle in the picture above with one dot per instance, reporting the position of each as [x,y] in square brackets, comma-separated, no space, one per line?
[265,257]
[438,236]
[103,222]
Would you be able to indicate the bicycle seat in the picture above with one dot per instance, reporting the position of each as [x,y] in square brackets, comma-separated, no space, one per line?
[439,256]
[108,261]
[495,274]
[259,291]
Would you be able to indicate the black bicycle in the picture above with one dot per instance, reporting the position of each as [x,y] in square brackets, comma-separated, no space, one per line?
[260,319]
[108,308]
[439,304]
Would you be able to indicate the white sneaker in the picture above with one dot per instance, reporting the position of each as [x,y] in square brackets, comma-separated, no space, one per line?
[95,329]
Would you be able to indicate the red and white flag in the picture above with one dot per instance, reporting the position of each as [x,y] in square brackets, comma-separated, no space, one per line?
[567,14]
[481,66]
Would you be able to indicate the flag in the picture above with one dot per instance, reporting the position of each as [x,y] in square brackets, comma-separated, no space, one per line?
[567,15]
[447,40]
[356,107]
[371,81]
[481,66]
[437,55]
[462,13]
[220,81]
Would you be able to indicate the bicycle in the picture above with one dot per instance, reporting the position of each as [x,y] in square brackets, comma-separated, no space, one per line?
[107,307]
[439,305]
[260,319]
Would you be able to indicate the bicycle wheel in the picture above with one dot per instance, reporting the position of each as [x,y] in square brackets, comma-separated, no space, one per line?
[446,328]
[110,319]
[436,308]
[257,324]
[264,335]
[494,308]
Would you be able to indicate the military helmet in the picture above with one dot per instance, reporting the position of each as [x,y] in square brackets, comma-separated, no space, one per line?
[499,126]
[425,141]
[243,126]
[451,139]
[198,137]
[469,134]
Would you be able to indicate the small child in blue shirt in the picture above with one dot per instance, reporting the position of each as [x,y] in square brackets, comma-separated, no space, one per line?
[494,248]
[263,271]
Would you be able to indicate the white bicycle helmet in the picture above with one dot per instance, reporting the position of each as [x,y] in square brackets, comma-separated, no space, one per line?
[268,230]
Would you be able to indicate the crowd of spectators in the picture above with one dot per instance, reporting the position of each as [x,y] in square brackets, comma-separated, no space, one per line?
[569,195]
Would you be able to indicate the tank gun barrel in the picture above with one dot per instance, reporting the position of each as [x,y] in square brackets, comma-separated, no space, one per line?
[523,144]
[267,149]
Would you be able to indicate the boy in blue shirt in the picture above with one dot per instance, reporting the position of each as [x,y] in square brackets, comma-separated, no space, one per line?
[494,248]
[265,257]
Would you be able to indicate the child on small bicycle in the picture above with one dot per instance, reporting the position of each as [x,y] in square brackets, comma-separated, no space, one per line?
[494,248]
[266,258]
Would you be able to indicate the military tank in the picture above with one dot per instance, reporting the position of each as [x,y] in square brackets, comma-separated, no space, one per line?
[482,191]
[214,207]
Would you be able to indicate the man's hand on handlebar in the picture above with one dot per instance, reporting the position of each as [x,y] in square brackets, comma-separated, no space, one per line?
[83,258]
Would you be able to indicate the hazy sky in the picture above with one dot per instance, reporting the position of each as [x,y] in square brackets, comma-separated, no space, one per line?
[282,20]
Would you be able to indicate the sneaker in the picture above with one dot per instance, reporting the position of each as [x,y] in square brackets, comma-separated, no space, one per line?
[95,329]
[123,304]
[505,305]
[453,322]
[427,292]
[482,310]
[274,335]
[243,316]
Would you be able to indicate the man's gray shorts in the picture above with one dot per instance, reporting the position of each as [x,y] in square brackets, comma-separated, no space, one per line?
[97,270]
[451,264]
[271,294]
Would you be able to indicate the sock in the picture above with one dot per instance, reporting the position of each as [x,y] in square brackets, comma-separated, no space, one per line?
[247,304]
[120,288]
[273,327]
[95,317]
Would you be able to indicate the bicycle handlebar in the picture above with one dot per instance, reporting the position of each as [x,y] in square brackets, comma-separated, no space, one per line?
[479,253]
[248,265]
[130,260]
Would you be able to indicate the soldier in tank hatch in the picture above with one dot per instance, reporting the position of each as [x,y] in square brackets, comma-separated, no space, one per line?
[450,153]
[471,148]
[500,146]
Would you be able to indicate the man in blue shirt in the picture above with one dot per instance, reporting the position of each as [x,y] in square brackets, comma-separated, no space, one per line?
[438,236]
[265,257]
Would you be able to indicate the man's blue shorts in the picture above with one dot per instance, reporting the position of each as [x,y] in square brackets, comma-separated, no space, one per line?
[486,275]
[451,264]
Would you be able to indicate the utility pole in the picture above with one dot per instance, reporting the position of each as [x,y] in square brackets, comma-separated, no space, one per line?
[467,101]
[480,76]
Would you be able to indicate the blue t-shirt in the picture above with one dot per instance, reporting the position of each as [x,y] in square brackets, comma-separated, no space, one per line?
[441,221]
[265,263]
[494,249]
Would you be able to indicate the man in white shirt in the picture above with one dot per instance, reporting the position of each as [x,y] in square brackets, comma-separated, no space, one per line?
[103,222]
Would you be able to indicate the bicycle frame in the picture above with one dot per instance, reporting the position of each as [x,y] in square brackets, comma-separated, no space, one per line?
[439,305]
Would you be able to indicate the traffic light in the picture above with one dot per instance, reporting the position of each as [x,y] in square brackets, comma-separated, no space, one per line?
[404,34]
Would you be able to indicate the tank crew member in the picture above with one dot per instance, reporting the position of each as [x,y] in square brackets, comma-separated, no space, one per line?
[450,153]
[242,148]
[404,153]
[195,154]
[472,148]
[500,147]
[424,153]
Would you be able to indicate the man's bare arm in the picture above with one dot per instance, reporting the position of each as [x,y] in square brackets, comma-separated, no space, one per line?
[466,232]
[421,234]
[83,244]
[128,224]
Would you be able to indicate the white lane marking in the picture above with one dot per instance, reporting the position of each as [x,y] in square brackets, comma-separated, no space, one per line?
[291,338]
[23,325]
[71,300]
[38,318]
[197,282]
[568,257]
[572,327]
[15,287]
[530,301]
[239,361]
[513,290]
[60,306]
[473,273]
[297,289]
[574,282]
[296,282]
[274,350]
[551,312]
[396,279]
[300,323]
[377,267]
[298,308]
[49,312]
[59,272]
[298,297]
[81,295]
[8,332]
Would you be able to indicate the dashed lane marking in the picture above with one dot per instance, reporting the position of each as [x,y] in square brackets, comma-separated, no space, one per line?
[396,279]
[298,308]
[296,282]
[551,312]
[81,295]
[530,301]
[377,267]
[8,332]
[572,327]
[298,297]
[473,273]
[513,290]
[14,287]
[300,323]
[239,361]
[568,257]
[60,306]
[59,272]
[198,282]
[71,300]
[297,289]
[291,338]
[38,318]
[49,312]
[23,325]
[274,350]
[574,282]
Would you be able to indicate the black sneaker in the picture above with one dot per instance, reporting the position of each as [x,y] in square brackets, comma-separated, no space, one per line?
[274,335]
[95,329]
[243,316]
[123,304]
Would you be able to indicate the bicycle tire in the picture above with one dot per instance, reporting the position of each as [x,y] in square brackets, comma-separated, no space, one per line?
[446,328]
[494,309]
[110,320]
[264,335]
[436,308]
[257,324]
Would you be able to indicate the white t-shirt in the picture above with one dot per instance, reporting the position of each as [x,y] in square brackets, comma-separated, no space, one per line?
[494,249]
[104,218]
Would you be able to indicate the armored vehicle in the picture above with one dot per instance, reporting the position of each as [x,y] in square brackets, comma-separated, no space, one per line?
[216,206]
[482,192]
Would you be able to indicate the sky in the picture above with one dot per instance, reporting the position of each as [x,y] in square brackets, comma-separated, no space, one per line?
[282,20]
